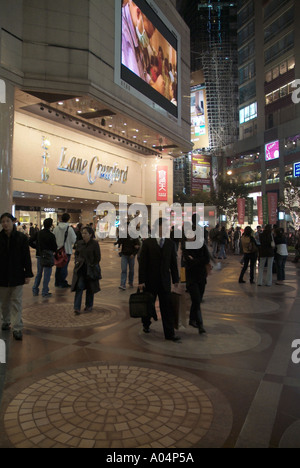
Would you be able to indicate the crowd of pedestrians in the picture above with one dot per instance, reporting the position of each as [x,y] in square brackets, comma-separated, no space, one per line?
[157,260]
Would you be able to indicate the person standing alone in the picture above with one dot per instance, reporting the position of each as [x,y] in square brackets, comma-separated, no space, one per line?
[46,244]
[15,271]
[65,235]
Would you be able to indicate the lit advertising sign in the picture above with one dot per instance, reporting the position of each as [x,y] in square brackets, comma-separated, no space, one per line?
[162,183]
[148,54]
[297,169]
[272,150]
[201,172]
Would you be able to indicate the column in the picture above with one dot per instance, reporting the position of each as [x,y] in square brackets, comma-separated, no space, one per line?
[6,143]
[263,169]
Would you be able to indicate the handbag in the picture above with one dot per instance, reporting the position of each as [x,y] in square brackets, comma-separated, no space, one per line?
[60,257]
[47,258]
[94,272]
[141,305]
[273,245]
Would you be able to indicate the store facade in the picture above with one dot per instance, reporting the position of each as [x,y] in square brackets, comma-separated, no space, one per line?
[78,125]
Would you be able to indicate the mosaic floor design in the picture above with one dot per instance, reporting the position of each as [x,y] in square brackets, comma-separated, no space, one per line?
[112,406]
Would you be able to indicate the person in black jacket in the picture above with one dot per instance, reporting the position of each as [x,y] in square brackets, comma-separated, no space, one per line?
[130,248]
[87,272]
[196,262]
[46,243]
[158,263]
[15,271]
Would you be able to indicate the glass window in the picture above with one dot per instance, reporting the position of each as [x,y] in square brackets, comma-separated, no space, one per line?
[276,95]
[291,63]
[283,68]
[269,76]
[269,98]
[275,73]
[284,91]
[242,116]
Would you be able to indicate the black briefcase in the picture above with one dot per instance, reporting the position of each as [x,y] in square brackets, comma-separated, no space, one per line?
[141,304]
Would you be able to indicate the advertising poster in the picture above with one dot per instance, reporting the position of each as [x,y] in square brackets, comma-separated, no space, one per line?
[272,150]
[250,206]
[199,130]
[241,210]
[260,211]
[265,207]
[201,173]
[162,183]
[273,207]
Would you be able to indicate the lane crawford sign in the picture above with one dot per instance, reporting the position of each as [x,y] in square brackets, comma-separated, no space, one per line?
[94,169]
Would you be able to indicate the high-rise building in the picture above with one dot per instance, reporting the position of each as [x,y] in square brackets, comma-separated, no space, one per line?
[213,26]
[269,113]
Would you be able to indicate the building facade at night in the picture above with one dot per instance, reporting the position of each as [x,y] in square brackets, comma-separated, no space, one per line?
[86,116]
[269,113]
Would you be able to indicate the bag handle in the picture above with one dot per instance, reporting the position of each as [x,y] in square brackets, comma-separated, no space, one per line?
[66,234]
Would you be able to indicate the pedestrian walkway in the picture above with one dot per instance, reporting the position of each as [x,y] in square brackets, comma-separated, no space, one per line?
[97,381]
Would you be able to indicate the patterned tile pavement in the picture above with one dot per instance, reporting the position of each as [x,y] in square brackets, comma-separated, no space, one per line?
[97,381]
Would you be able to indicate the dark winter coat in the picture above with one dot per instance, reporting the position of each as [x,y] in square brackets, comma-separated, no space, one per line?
[265,248]
[45,241]
[85,255]
[15,260]
[157,265]
[196,267]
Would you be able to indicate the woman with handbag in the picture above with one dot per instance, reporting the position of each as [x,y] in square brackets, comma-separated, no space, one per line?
[45,248]
[87,272]
[266,255]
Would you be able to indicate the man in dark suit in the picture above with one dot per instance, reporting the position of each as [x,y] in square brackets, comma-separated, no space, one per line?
[158,262]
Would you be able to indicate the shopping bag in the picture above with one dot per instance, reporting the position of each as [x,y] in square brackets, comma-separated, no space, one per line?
[182,275]
[141,305]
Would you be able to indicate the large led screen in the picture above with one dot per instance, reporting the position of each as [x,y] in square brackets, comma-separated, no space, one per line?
[149,55]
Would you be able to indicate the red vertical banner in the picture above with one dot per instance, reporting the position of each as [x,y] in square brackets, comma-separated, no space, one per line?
[260,211]
[273,207]
[241,204]
[162,183]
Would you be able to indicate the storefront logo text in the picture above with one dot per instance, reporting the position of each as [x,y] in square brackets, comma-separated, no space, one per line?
[94,170]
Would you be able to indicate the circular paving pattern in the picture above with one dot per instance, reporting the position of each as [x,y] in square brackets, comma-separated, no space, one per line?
[241,305]
[222,337]
[62,316]
[117,406]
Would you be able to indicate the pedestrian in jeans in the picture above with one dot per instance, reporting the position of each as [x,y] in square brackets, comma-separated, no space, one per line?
[281,255]
[130,248]
[266,255]
[15,271]
[46,242]
[60,231]
[87,271]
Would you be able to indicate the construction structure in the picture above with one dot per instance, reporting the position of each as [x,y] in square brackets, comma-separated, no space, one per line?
[213,26]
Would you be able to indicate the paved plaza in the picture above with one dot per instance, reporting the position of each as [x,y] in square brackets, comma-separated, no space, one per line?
[97,381]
